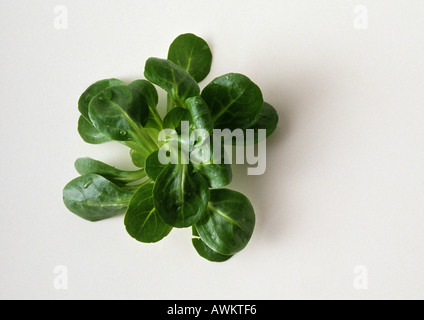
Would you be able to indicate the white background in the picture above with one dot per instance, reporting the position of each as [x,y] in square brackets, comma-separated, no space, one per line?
[344,185]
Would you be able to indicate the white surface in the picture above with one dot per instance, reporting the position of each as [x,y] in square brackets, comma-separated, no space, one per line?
[345,174]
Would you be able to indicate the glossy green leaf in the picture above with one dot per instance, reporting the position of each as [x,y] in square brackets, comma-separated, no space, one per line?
[141,219]
[204,251]
[200,113]
[174,117]
[172,78]
[92,91]
[89,133]
[137,158]
[192,54]
[217,175]
[180,195]
[153,167]
[119,112]
[268,120]
[87,165]
[228,223]
[216,171]
[170,104]
[234,100]
[197,114]
[148,90]
[93,197]
[183,193]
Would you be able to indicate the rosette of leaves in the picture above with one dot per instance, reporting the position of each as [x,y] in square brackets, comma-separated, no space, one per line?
[157,198]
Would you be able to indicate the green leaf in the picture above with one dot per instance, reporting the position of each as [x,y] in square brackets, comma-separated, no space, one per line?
[119,112]
[93,90]
[172,78]
[141,219]
[216,171]
[89,133]
[228,223]
[200,113]
[148,90]
[192,54]
[137,158]
[198,116]
[174,117]
[153,167]
[87,165]
[268,120]
[204,251]
[180,195]
[234,100]
[93,197]
[170,104]
[217,175]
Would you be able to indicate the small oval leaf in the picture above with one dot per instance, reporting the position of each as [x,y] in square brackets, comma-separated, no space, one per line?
[268,120]
[141,219]
[180,195]
[94,198]
[192,54]
[204,251]
[172,78]
[228,223]
[119,112]
[234,100]
[89,133]
[92,91]
[153,166]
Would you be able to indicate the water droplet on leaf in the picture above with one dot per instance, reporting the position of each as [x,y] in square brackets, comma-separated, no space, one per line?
[87,184]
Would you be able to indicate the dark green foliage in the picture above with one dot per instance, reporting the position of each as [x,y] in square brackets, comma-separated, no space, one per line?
[141,219]
[159,196]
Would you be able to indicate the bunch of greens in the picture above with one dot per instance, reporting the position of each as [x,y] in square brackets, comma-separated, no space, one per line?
[157,197]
